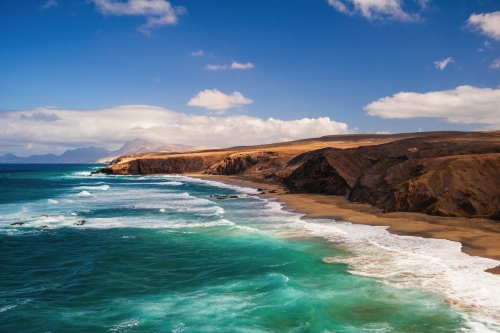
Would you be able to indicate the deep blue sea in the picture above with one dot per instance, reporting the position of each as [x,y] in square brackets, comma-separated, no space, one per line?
[163,254]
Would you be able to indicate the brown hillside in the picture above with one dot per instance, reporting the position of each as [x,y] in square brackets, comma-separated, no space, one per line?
[437,173]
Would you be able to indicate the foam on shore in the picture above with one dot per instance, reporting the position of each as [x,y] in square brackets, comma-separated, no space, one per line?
[437,266]
[433,265]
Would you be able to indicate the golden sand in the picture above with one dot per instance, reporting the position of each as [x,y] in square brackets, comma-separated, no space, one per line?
[479,237]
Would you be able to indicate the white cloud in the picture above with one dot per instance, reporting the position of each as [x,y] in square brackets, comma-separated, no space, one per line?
[197,53]
[496,63]
[216,67]
[376,9]
[216,100]
[158,12]
[442,64]
[338,5]
[111,127]
[236,65]
[463,105]
[423,3]
[49,3]
[487,24]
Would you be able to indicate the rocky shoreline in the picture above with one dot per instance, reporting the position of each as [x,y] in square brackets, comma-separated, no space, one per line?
[453,174]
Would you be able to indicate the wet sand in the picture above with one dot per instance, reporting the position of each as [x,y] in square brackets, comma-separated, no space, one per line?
[479,237]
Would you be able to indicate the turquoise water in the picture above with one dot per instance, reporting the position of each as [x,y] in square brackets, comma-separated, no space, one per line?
[162,254]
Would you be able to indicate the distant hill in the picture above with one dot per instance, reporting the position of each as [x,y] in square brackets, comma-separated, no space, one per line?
[82,155]
[94,154]
[142,146]
[79,155]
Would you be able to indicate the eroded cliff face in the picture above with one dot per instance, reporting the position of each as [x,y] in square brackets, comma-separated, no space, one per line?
[168,165]
[329,171]
[265,164]
[455,176]
[448,174]
[233,165]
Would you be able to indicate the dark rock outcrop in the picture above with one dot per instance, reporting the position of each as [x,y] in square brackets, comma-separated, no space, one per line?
[456,175]
[81,222]
[329,172]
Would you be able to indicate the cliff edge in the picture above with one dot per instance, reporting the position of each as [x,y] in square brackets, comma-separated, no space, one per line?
[437,173]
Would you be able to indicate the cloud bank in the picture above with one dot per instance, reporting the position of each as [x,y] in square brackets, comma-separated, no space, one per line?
[377,9]
[487,24]
[111,127]
[462,105]
[216,100]
[158,12]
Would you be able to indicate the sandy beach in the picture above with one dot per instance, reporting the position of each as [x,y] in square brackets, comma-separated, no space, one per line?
[479,237]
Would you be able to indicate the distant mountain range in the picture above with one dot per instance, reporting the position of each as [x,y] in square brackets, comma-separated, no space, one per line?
[94,154]
[141,146]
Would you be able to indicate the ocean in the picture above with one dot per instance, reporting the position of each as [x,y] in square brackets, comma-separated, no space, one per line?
[164,254]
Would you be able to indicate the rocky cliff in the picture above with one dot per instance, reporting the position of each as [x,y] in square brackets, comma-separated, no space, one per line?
[445,173]
[131,165]
[458,175]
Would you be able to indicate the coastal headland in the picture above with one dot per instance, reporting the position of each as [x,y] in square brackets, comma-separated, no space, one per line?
[428,184]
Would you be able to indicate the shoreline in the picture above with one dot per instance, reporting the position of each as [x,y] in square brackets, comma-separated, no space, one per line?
[478,237]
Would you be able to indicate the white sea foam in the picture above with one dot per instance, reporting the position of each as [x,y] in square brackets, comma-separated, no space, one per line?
[7,308]
[95,188]
[241,189]
[112,223]
[53,202]
[48,219]
[245,228]
[169,183]
[434,265]
[179,202]
[150,182]
[218,223]
[84,194]
[69,219]
[125,325]
[280,276]
[81,173]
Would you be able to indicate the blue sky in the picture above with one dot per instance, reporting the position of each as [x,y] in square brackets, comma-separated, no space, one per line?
[294,59]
